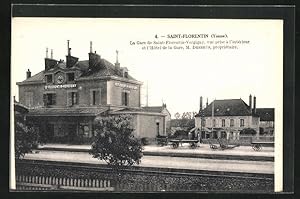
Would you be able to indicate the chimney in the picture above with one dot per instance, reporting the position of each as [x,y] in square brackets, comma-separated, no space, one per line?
[254,105]
[117,64]
[206,102]
[46,52]
[200,104]
[70,60]
[49,62]
[28,74]
[94,59]
[250,102]
[91,46]
[164,105]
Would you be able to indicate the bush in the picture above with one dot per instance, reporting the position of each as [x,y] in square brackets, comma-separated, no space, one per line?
[26,139]
[114,141]
[248,131]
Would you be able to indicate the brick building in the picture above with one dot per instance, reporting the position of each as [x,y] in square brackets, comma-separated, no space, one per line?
[65,97]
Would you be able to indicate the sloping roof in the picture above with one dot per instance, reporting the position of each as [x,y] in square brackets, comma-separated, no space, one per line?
[227,107]
[155,109]
[265,114]
[67,111]
[103,68]
[136,110]
[37,77]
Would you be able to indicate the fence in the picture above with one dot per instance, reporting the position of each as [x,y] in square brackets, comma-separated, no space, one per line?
[55,183]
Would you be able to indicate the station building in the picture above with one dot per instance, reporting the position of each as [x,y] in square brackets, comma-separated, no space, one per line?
[66,96]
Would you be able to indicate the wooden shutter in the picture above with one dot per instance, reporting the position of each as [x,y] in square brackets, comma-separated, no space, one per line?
[45,99]
[54,99]
[69,99]
[76,97]
[123,98]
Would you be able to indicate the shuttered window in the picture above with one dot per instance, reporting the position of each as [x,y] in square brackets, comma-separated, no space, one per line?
[95,97]
[49,99]
[125,98]
[223,122]
[72,98]
[242,123]
[231,122]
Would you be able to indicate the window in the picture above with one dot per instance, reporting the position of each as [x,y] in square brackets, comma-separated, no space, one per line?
[95,97]
[214,122]
[70,77]
[126,74]
[49,79]
[125,98]
[231,122]
[74,98]
[29,99]
[242,123]
[203,122]
[49,99]
[84,130]
[223,122]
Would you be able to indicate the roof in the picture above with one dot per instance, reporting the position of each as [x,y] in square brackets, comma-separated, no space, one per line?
[136,110]
[67,111]
[37,77]
[103,68]
[227,107]
[265,114]
[20,108]
[155,109]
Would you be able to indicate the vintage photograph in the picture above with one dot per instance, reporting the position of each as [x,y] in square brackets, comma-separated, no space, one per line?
[146,105]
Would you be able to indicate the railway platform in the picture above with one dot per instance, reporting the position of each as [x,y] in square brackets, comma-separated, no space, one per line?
[202,151]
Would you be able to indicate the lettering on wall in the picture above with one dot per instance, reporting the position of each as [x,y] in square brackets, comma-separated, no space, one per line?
[60,86]
[123,85]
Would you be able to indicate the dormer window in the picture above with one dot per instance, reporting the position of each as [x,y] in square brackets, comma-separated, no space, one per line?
[126,74]
[71,77]
[49,78]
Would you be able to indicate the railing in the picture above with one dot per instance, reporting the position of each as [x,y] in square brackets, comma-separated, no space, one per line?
[55,183]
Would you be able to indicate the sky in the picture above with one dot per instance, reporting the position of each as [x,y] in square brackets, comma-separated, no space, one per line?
[177,77]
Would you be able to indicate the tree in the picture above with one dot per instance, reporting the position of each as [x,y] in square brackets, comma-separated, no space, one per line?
[26,139]
[114,142]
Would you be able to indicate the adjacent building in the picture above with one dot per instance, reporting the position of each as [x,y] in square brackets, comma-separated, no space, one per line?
[266,124]
[64,98]
[226,118]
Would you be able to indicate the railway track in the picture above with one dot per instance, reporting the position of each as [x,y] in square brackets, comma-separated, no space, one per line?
[144,170]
